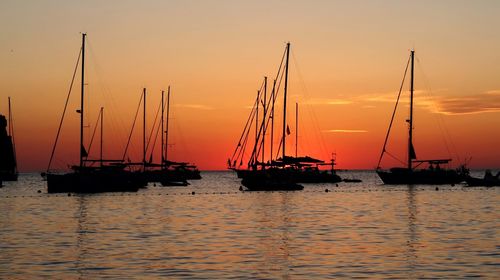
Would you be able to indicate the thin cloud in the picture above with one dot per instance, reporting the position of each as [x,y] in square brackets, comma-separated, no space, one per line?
[195,106]
[329,101]
[471,104]
[391,97]
[345,131]
[485,102]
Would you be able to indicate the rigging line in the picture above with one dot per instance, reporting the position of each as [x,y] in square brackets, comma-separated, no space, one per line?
[260,142]
[155,123]
[275,97]
[133,125]
[64,111]
[394,157]
[255,153]
[263,125]
[157,132]
[118,126]
[249,122]
[93,133]
[241,153]
[281,64]
[446,135]
[317,130]
[393,114]
[247,136]
[279,148]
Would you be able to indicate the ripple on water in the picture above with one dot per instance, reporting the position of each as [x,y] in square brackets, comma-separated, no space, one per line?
[360,231]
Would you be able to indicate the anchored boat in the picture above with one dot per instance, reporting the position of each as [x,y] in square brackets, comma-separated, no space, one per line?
[90,176]
[434,173]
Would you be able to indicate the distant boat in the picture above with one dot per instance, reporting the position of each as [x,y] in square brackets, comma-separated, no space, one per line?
[8,161]
[167,173]
[434,174]
[178,169]
[109,176]
[285,172]
[489,180]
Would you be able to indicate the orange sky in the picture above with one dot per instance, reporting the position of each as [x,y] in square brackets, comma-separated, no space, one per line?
[347,62]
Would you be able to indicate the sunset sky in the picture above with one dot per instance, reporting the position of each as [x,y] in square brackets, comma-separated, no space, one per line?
[346,65]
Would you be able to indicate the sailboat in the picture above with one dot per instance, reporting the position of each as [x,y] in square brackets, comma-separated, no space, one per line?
[435,173]
[279,173]
[84,177]
[179,169]
[168,173]
[303,169]
[8,162]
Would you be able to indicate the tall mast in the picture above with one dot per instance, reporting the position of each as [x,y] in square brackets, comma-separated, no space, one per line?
[162,129]
[11,134]
[256,128]
[82,149]
[144,128]
[264,119]
[411,152]
[296,127]
[10,120]
[272,119]
[284,102]
[102,130]
[166,129]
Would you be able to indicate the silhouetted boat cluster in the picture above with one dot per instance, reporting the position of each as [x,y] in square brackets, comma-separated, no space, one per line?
[266,169]
[278,173]
[104,175]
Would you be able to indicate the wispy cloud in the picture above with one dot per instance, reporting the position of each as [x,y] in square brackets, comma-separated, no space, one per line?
[345,131]
[444,102]
[195,106]
[329,101]
[391,97]
[470,104]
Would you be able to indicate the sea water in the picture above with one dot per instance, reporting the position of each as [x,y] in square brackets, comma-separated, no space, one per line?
[210,229]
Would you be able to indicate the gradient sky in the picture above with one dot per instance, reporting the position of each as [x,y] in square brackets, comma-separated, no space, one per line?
[347,63]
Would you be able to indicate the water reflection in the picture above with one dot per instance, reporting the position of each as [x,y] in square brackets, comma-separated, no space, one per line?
[412,242]
[81,240]
[364,231]
[275,223]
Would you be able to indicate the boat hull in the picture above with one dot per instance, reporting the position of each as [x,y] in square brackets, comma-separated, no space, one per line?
[269,180]
[299,175]
[8,176]
[403,176]
[166,177]
[93,182]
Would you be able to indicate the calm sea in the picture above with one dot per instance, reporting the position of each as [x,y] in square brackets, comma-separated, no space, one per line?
[356,230]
